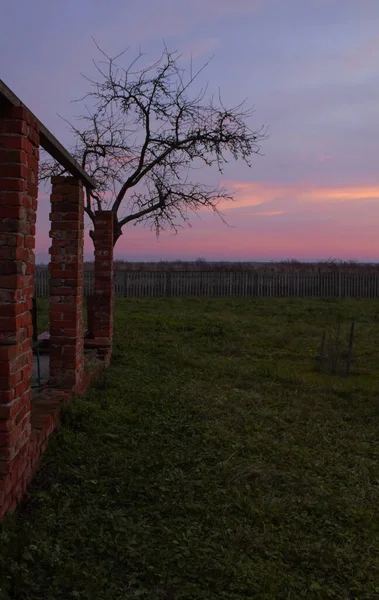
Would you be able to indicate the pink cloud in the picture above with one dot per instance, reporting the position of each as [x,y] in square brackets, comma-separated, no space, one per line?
[230,6]
[198,49]
[366,55]
[268,221]
[261,239]
[315,158]
[253,194]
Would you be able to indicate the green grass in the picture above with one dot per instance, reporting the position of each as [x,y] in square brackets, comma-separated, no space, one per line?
[213,462]
[42,315]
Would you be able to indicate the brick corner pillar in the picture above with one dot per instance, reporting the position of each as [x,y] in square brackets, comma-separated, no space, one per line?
[101,304]
[66,283]
[19,154]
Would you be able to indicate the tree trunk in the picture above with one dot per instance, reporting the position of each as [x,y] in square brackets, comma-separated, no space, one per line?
[117,230]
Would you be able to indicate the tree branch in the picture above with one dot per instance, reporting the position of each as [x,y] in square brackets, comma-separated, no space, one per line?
[143,132]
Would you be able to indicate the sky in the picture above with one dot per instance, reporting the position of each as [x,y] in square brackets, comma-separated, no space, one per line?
[309,67]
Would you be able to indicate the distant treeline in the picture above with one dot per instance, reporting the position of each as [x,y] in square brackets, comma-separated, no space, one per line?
[281,267]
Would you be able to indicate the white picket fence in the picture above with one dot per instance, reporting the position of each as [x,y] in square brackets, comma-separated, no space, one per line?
[134,284]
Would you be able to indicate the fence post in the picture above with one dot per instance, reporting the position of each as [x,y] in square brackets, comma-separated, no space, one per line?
[168,283]
[236,283]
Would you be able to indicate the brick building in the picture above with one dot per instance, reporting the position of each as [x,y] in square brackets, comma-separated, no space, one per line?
[26,421]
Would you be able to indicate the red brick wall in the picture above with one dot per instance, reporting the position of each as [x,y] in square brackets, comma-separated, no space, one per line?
[100,306]
[19,142]
[66,283]
[24,425]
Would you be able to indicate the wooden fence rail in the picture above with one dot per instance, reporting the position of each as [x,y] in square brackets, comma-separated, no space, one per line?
[135,284]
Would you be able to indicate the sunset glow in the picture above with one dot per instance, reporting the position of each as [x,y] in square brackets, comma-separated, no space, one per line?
[308,67]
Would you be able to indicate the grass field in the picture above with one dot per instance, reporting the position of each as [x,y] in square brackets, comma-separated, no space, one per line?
[212,462]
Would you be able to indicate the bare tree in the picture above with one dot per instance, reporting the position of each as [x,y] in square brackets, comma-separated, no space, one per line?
[143,135]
